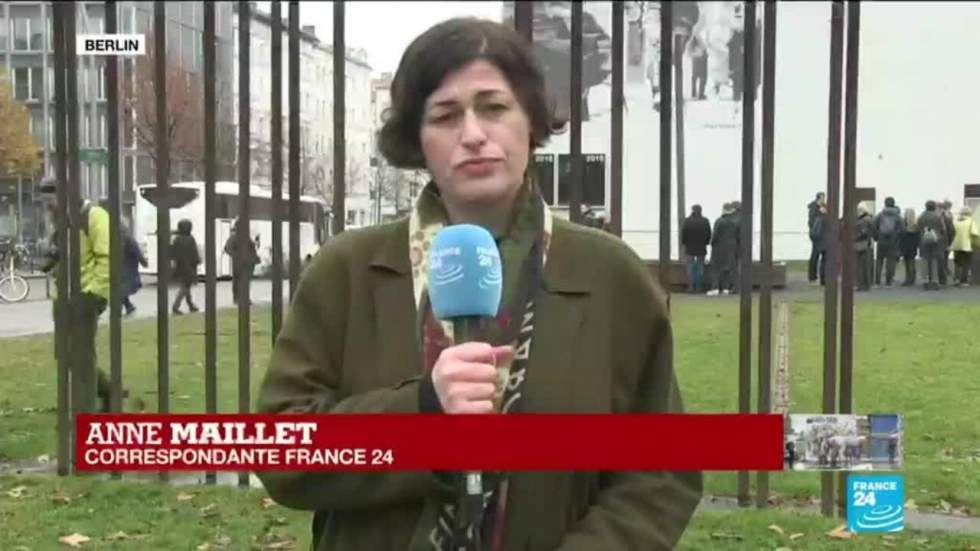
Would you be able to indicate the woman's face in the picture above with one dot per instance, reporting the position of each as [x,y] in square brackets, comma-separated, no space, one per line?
[476,137]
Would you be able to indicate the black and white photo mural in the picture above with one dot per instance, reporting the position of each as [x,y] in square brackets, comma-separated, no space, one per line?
[915,130]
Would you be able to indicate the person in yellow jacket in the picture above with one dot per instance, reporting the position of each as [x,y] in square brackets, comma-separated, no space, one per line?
[964,243]
[85,311]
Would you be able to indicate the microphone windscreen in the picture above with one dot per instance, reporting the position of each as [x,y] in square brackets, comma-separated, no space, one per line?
[465,273]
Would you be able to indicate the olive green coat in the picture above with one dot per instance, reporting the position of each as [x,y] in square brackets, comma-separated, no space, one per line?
[602,344]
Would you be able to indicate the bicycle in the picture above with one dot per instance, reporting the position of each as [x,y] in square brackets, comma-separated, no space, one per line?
[13,286]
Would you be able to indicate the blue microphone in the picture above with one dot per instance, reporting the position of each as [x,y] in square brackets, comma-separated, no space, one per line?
[465,286]
[465,278]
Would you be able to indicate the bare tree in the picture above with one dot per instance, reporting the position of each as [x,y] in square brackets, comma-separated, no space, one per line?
[185,117]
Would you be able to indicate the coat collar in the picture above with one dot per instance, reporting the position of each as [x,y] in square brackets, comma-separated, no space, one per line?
[564,272]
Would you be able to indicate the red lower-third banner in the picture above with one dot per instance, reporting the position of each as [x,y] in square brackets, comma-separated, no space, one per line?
[337,442]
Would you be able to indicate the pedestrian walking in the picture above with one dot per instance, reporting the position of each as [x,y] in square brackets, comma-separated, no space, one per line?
[88,382]
[132,259]
[186,259]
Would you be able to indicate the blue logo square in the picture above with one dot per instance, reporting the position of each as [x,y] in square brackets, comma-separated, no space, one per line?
[875,503]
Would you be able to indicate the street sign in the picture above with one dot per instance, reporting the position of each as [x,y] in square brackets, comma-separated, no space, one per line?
[92,156]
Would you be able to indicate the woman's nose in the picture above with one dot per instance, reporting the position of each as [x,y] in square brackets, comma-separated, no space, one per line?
[472,132]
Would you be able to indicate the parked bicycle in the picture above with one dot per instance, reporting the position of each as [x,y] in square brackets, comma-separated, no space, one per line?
[13,286]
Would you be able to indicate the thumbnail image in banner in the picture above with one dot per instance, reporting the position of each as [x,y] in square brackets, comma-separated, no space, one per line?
[817,442]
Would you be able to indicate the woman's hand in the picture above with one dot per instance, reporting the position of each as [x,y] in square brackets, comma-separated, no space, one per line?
[465,377]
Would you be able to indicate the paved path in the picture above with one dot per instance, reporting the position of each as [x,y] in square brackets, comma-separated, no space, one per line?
[34,316]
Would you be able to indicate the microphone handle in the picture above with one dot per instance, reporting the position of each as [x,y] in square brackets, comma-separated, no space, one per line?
[470,512]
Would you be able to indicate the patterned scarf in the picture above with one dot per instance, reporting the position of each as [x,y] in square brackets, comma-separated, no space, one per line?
[523,251]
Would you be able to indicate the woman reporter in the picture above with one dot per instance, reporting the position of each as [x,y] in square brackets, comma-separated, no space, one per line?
[469,105]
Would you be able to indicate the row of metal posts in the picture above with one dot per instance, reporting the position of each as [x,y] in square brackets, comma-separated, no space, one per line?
[67,237]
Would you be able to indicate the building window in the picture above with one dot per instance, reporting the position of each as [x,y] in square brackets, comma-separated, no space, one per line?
[37,126]
[187,47]
[22,30]
[22,83]
[173,40]
[3,33]
[37,83]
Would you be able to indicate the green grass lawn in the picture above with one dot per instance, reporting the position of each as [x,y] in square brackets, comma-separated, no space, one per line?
[915,359]
[126,515]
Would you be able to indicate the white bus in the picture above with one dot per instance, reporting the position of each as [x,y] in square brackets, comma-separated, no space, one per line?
[189,205]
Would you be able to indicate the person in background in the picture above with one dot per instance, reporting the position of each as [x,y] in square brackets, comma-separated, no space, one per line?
[817,214]
[967,233]
[695,236]
[888,226]
[908,245]
[736,217]
[94,236]
[946,212]
[933,231]
[186,259]
[724,247]
[863,236]
[244,259]
[132,259]
[819,236]
[469,104]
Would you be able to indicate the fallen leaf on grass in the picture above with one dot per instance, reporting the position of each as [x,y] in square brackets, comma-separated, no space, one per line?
[944,506]
[183,397]
[725,536]
[921,541]
[911,505]
[888,544]
[840,533]
[29,410]
[184,497]
[74,540]
[61,499]
[777,529]
[784,549]
[44,459]
[267,502]
[209,511]
[282,544]
[118,536]
[204,547]
[796,536]
[18,492]
[961,512]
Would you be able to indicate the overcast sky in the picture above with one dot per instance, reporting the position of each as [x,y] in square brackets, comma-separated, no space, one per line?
[385,29]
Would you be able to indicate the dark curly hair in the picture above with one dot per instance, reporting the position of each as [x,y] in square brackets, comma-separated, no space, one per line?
[447,47]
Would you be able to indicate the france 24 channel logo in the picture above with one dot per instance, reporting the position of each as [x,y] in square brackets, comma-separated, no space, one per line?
[875,503]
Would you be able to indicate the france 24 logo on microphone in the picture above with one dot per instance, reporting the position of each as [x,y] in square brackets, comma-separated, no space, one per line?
[111,44]
[875,503]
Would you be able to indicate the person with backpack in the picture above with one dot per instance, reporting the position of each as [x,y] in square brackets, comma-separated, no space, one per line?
[695,236]
[888,227]
[908,244]
[186,259]
[967,237]
[933,243]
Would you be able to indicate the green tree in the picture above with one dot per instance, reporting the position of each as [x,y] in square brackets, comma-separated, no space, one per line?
[18,152]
